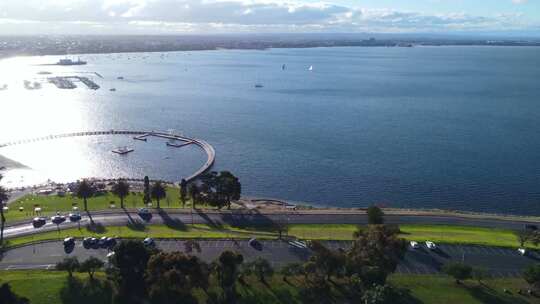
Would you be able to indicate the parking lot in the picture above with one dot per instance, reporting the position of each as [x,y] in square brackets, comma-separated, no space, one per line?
[499,262]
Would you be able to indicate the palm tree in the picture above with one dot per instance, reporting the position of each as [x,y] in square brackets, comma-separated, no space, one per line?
[158,192]
[3,198]
[194,192]
[85,190]
[121,189]
[183,192]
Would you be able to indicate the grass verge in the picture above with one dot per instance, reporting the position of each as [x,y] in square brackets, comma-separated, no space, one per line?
[44,287]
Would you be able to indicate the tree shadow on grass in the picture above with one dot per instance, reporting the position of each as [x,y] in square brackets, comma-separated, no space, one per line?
[208,220]
[96,228]
[490,296]
[170,222]
[76,291]
[136,225]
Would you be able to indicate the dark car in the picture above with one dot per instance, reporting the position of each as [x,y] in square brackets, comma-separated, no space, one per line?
[58,219]
[69,241]
[102,242]
[145,214]
[39,222]
[111,242]
[75,217]
[255,244]
[90,242]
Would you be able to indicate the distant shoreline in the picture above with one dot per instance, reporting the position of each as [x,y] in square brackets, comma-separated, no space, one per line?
[55,46]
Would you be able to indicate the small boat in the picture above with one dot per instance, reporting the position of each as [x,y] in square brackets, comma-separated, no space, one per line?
[68,62]
[310,68]
[123,150]
[258,85]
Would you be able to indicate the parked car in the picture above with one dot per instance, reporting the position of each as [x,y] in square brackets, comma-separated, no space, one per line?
[39,222]
[102,242]
[414,245]
[58,219]
[69,241]
[90,242]
[143,211]
[111,242]
[430,245]
[253,242]
[149,242]
[75,217]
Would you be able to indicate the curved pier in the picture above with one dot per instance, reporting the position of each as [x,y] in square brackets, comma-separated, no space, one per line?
[208,149]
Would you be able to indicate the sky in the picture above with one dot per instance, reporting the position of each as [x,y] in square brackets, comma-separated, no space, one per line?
[517,17]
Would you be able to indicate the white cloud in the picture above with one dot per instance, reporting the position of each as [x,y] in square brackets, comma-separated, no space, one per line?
[243,15]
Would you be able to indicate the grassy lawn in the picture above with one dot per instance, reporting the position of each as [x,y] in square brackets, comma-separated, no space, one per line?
[44,287]
[436,233]
[50,204]
[461,234]
[443,290]
[154,231]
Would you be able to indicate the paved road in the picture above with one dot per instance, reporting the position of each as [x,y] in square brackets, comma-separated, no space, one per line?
[254,218]
[499,262]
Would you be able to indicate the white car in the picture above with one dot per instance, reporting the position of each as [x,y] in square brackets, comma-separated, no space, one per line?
[430,245]
[414,245]
[149,242]
[522,251]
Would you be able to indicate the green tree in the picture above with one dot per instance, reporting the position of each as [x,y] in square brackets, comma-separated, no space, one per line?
[90,266]
[532,275]
[259,267]
[85,190]
[194,192]
[3,198]
[523,236]
[158,192]
[227,268]
[127,271]
[375,254]
[171,277]
[146,191]
[70,265]
[328,262]
[382,294]
[7,296]
[375,215]
[458,271]
[291,269]
[121,189]
[229,187]
[183,192]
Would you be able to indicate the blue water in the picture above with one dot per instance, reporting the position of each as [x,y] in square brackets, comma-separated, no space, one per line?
[433,127]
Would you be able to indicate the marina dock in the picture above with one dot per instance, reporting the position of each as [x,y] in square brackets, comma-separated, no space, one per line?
[175,145]
[62,83]
[66,82]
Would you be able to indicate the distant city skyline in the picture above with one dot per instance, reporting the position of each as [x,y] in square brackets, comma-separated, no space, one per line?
[514,17]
